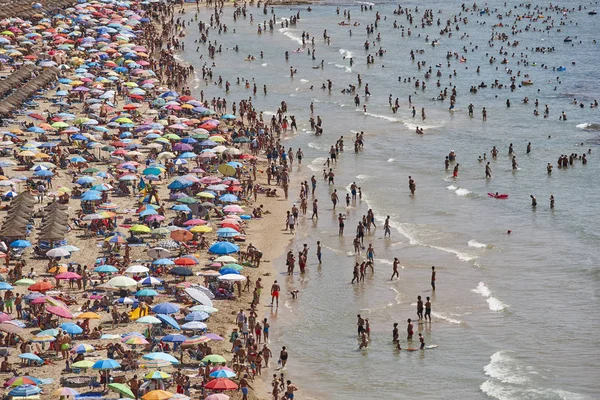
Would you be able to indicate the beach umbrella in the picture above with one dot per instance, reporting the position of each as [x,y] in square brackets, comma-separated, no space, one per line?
[60,311]
[201,229]
[22,380]
[217,396]
[156,364]
[206,309]
[30,357]
[122,282]
[71,329]
[223,248]
[140,228]
[194,326]
[226,271]
[221,384]
[25,282]
[232,278]
[5,286]
[149,319]
[199,296]
[88,315]
[67,276]
[185,261]
[222,373]
[165,308]
[181,271]
[167,319]
[151,281]
[43,286]
[157,395]
[25,391]
[84,364]
[4,317]
[135,340]
[83,348]
[197,316]
[157,375]
[105,269]
[20,244]
[136,269]
[106,364]
[146,293]
[174,338]
[65,392]
[122,389]
[126,300]
[161,356]
[227,232]
[214,359]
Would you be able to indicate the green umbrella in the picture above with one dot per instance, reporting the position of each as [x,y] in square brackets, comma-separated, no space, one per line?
[90,170]
[235,266]
[187,200]
[108,148]
[214,358]
[122,389]
[84,364]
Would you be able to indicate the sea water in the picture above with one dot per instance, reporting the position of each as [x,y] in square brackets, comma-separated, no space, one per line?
[514,316]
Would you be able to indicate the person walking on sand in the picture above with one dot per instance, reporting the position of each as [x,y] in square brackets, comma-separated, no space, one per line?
[267,354]
[275,289]
[244,385]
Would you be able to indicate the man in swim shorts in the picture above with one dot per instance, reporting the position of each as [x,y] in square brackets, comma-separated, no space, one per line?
[275,289]
[244,385]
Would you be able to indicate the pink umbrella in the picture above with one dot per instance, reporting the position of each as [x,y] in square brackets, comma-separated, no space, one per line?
[183,147]
[39,300]
[61,312]
[209,179]
[68,275]
[155,217]
[233,209]
[217,396]
[194,222]
[4,317]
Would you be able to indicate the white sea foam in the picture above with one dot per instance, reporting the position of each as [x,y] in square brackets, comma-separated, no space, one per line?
[346,68]
[304,80]
[475,243]
[346,53]
[365,2]
[452,187]
[391,119]
[493,303]
[398,295]
[316,146]
[413,127]
[510,379]
[264,64]
[291,34]
[446,318]
[462,192]
[390,160]
[362,177]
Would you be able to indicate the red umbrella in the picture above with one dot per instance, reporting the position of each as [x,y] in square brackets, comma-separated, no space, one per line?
[41,286]
[184,261]
[36,116]
[230,225]
[61,312]
[221,384]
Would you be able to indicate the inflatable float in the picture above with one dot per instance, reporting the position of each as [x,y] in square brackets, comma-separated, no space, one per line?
[527,83]
[498,196]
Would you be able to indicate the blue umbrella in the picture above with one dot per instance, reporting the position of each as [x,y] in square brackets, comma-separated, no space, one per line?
[168,320]
[222,373]
[151,280]
[31,357]
[165,308]
[106,364]
[43,173]
[181,207]
[24,391]
[227,232]
[5,286]
[163,261]
[197,316]
[146,293]
[229,198]
[71,328]
[20,243]
[174,338]
[225,271]
[105,269]
[161,356]
[223,248]
[78,159]
[85,180]
[36,129]
[91,196]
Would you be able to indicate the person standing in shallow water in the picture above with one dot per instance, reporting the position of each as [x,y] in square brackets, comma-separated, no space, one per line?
[433,278]
[412,186]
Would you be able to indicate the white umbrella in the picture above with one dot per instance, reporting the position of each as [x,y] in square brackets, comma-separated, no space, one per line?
[194,326]
[232,277]
[136,269]
[122,282]
[199,296]
[58,252]
[226,259]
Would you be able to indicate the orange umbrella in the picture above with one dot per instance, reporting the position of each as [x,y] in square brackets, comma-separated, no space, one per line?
[181,235]
[41,286]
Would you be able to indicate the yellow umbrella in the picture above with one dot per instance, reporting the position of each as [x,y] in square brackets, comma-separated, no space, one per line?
[218,139]
[76,83]
[64,189]
[136,340]
[140,229]
[227,170]
[42,155]
[206,195]
[27,153]
[88,315]
[157,375]
[201,229]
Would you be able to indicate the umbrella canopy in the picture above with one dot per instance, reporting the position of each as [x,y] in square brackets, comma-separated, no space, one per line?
[161,356]
[165,308]
[24,391]
[60,311]
[106,364]
[221,384]
[122,389]
[223,248]
[157,395]
[21,380]
[122,282]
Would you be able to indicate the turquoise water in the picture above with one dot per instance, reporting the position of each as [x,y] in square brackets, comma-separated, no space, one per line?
[515,316]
